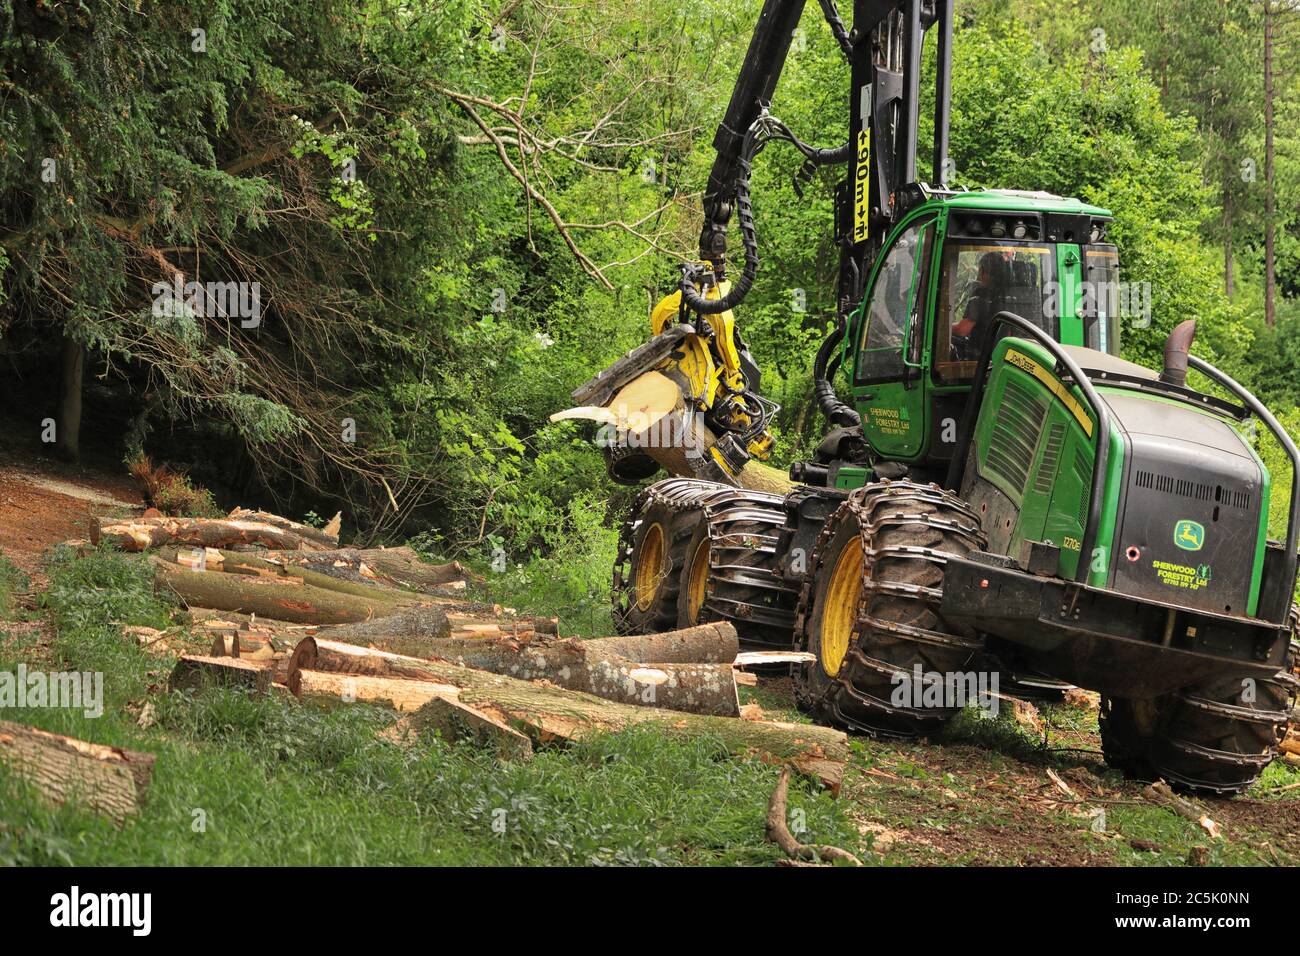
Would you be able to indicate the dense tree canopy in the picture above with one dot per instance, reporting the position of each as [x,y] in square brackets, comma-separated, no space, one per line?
[456,211]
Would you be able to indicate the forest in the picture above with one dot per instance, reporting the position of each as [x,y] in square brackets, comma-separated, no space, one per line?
[454,212]
[317,258]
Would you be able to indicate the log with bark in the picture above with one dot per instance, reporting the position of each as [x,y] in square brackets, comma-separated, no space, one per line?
[109,780]
[399,566]
[413,631]
[327,537]
[453,721]
[552,714]
[141,534]
[195,672]
[259,565]
[287,599]
[714,643]
[568,663]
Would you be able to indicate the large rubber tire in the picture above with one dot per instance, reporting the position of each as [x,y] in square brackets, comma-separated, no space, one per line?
[738,544]
[1206,739]
[893,539]
[650,568]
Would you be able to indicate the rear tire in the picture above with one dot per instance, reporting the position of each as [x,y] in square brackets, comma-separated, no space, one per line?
[652,567]
[868,611]
[1205,739]
[739,541]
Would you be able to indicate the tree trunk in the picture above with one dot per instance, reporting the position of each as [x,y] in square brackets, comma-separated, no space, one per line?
[713,643]
[404,696]
[68,438]
[1270,196]
[194,672]
[691,688]
[548,714]
[454,721]
[295,602]
[411,630]
[400,566]
[110,780]
[243,562]
[1229,266]
[320,537]
[141,534]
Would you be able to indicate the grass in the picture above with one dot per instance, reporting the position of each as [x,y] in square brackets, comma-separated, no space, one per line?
[241,780]
[12,583]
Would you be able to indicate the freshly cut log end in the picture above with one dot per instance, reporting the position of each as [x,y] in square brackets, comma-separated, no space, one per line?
[454,721]
[110,780]
[195,672]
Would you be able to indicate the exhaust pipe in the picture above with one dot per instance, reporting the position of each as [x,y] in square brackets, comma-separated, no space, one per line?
[1177,347]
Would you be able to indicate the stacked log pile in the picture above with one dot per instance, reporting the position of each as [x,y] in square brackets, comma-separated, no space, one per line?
[279,607]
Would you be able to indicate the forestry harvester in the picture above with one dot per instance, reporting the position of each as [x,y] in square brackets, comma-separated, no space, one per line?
[1001,489]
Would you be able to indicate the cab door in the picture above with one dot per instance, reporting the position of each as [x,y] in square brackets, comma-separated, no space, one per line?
[889,393]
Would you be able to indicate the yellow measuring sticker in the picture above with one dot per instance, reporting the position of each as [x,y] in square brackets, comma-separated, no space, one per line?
[862,186]
[1024,362]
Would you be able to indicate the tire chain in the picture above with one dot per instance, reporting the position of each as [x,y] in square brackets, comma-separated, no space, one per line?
[676,494]
[865,506]
[755,598]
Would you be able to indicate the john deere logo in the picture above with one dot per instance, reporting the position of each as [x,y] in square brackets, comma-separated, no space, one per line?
[1189,535]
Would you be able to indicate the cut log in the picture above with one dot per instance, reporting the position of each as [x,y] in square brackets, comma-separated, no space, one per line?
[109,780]
[714,643]
[244,645]
[284,600]
[454,721]
[141,534]
[547,713]
[331,687]
[242,562]
[400,566]
[322,537]
[411,631]
[567,663]
[413,625]
[194,672]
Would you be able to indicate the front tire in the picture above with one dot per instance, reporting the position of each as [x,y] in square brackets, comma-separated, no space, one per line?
[869,608]
[1216,738]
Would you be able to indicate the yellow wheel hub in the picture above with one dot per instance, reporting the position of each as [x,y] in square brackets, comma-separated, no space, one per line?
[650,566]
[841,607]
[699,577]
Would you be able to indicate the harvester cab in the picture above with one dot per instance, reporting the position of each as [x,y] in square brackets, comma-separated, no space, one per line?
[999,493]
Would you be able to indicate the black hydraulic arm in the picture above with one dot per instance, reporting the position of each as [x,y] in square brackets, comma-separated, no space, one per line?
[755,85]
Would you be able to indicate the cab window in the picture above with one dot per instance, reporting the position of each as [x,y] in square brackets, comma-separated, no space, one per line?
[1101,299]
[979,280]
[895,298]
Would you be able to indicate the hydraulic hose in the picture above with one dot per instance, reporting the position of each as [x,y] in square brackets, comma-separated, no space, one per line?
[824,368]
